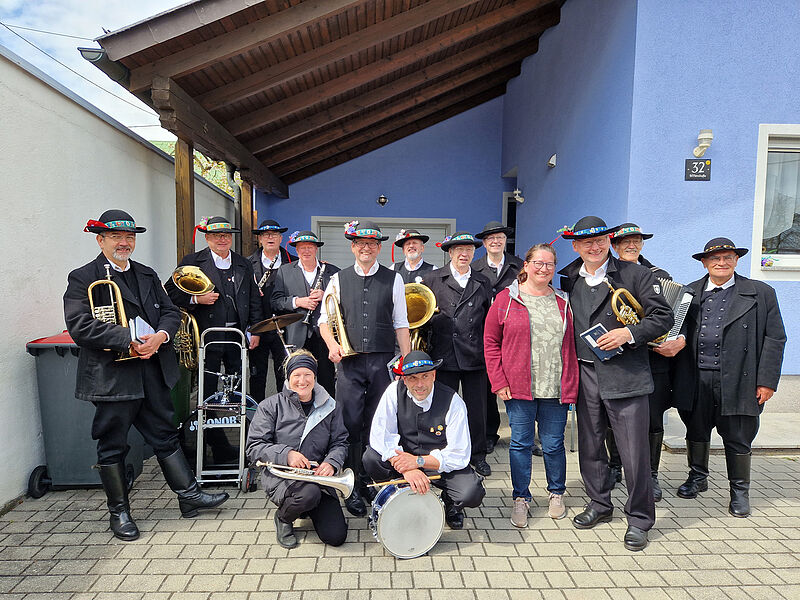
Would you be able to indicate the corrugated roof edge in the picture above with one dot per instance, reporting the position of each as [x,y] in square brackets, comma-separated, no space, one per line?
[85,104]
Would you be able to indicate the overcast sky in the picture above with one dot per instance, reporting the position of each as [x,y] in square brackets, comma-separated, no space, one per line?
[84,18]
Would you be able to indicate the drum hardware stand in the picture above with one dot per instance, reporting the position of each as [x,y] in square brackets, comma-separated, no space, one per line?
[278,323]
[240,475]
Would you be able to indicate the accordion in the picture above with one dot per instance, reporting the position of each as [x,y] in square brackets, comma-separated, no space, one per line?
[679,297]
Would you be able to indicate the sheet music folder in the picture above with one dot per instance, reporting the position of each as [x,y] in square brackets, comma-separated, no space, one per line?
[591,335]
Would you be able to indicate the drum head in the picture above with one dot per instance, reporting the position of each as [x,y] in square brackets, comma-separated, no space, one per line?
[410,524]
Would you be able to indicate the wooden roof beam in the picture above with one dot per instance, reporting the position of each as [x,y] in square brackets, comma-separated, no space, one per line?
[406,101]
[329,53]
[284,108]
[399,121]
[181,115]
[395,135]
[439,69]
[238,41]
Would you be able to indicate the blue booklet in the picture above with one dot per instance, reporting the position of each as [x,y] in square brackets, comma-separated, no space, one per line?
[591,335]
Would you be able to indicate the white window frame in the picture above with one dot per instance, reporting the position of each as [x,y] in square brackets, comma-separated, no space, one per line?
[771,136]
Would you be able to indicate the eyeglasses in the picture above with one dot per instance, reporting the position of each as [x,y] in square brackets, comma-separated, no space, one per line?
[722,258]
[539,265]
[220,236]
[600,242]
[463,249]
[269,234]
[495,238]
[118,237]
[371,244]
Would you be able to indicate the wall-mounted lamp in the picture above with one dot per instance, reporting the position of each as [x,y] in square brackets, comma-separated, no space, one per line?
[518,197]
[704,139]
[551,162]
[382,200]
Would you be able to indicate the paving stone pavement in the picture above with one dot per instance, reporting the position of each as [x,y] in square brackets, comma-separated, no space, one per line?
[59,547]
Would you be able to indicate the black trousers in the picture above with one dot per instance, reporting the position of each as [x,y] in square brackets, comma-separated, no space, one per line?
[737,431]
[270,346]
[360,383]
[492,416]
[323,509]
[628,418]
[326,370]
[473,388]
[463,486]
[151,415]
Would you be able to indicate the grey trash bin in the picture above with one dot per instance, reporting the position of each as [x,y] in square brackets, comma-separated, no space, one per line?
[69,448]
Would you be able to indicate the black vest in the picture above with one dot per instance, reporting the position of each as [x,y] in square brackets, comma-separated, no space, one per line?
[581,300]
[411,276]
[712,319]
[367,306]
[420,432]
[228,293]
[129,278]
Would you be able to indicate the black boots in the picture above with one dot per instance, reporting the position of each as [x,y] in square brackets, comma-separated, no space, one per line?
[739,478]
[116,488]
[614,460]
[284,532]
[182,481]
[697,456]
[355,504]
[656,439]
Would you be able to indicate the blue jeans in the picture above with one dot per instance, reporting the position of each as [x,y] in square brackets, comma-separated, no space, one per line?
[551,416]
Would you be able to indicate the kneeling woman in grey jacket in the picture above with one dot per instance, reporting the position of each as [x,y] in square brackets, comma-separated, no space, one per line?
[297,426]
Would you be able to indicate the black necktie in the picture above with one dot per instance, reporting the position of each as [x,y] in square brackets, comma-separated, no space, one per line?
[717,289]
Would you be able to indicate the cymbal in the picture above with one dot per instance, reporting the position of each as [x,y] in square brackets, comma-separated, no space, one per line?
[276,322]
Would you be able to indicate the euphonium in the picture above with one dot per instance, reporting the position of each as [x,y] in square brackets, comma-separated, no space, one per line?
[187,341]
[336,323]
[627,314]
[191,280]
[421,305]
[344,482]
[114,311]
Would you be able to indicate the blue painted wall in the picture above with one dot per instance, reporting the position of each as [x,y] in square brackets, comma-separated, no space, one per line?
[726,66]
[449,170]
[573,98]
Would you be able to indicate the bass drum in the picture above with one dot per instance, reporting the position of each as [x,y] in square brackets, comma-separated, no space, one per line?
[406,523]
[221,444]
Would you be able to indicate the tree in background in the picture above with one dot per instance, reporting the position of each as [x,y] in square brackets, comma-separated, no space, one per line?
[213,171]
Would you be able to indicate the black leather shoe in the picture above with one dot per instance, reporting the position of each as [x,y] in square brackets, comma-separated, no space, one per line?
[490,444]
[635,539]
[537,449]
[115,486]
[284,532]
[452,516]
[182,481]
[694,484]
[355,504]
[590,517]
[482,468]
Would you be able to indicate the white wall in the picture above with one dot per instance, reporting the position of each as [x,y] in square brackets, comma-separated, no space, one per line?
[62,165]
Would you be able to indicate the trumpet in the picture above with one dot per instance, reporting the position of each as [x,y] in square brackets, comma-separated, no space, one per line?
[114,311]
[187,341]
[336,324]
[421,305]
[627,314]
[344,483]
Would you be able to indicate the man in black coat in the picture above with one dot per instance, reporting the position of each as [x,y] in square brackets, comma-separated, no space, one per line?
[266,261]
[627,242]
[298,287]
[134,391]
[616,390]
[464,298]
[501,268]
[234,302]
[731,367]
[413,268]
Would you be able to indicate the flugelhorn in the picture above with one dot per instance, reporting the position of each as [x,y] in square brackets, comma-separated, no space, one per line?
[187,341]
[400,481]
[114,311]
[336,323]
[344,482]
[421,305]
[627,314]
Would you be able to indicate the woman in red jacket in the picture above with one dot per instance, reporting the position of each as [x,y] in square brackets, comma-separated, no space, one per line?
[532,365]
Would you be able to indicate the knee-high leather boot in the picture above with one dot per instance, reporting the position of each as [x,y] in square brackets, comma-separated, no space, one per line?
[697,456]
[656,440]
[614,460]
[739,478]
[182,481]
[116,488]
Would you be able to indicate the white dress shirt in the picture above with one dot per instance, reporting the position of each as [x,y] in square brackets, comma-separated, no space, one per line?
[460,279]
[598,278]
[267,262]
[711,285]
[385,439]
[399,311]
[310,277]
[497,266]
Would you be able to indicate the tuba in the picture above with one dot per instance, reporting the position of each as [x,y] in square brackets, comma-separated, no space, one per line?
[627,314]
[336,324]
[421,305]
[114,311]
[190,280]
[344,483]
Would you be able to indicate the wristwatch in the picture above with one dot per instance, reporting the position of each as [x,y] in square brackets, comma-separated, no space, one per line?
[420,461]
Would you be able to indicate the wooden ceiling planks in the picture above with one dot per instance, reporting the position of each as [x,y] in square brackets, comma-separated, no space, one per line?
[302,85]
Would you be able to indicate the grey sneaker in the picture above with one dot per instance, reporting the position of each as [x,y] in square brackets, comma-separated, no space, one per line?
[557,509]
[519,513]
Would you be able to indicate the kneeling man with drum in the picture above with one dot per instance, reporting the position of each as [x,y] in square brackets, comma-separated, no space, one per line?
[421,425]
